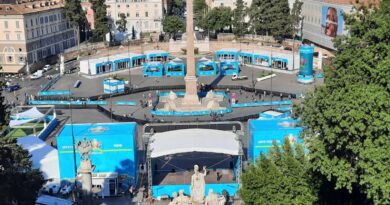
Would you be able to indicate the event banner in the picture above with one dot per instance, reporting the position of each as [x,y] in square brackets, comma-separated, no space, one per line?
[332,21]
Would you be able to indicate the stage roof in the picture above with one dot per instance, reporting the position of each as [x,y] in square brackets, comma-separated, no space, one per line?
[43,156]
[194,140]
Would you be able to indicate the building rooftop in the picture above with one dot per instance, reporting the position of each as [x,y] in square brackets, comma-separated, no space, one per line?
[20,7]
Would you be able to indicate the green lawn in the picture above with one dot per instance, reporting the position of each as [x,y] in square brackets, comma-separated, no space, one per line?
[22,132]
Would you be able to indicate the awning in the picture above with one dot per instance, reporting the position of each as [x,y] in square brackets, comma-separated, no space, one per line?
[31,113]
[43,156]
[194,140]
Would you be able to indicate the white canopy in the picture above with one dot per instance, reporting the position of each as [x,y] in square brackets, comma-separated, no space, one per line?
[43,156]
[194,140]
[31,113]
[14,123]
[204,59]
[177,59]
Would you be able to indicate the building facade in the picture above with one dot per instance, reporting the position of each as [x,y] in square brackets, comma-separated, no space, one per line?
[141,15]
[31,31]
[323,21]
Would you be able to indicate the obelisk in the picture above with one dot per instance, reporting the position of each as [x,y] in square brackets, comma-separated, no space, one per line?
[191,95]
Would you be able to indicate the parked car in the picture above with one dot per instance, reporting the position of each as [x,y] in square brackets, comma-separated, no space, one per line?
[46,67]
[36,75]
[239,77]
[52,188]
[11,88]
[66,189]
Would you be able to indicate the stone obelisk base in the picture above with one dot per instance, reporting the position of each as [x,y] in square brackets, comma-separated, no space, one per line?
[191,96]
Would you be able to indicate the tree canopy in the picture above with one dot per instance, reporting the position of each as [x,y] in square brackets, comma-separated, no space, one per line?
[217,19]
[347,119]
[101,20]
[121,23]
[281,178]
[239,14]
[172,25]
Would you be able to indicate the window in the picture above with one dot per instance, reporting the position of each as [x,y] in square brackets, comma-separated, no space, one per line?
[5,24]
[17,24]
[21,59]
[31,22]
[10,59]
[18,36]
[46,19]
[146,14]
[156,25]
[20,49]
[119,6]
[127,14]
[41,20]
[146,24]
[7,36]
[127,5]
[137,14]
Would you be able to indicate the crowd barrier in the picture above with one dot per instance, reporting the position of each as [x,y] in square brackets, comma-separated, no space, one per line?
[189,113]
[125,103]
[255,104]
[51,82]
[54,92]
[65,102]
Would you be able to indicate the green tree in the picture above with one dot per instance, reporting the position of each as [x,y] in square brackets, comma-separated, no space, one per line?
[4,112]
[200,13]
[101,20]
[296,17]
[20,183]
[261,16]
[176,8]
[172,25]
[75,14]
[239,14]
[281,21]
[121,23]
[281,178]
[347,119]
[218,19]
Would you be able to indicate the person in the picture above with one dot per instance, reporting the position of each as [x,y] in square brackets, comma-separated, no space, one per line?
[331,25]
[131,191]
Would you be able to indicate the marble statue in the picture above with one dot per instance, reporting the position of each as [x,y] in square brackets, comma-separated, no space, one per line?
[182,199]
[174,200]
[212,198]
[84,147]
[198,185]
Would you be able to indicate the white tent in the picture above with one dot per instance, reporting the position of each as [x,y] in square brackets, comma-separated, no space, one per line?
[43,156]
[194,140]
[31,113]
[14,123]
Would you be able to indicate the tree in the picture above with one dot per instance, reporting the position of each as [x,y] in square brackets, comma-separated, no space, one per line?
[172,25]
[4,112]
[218,19]
[261,16]
[347,119]
[281,178]
[176,8]
[200,13]
[296,17]
[281,21]
[239,14]
[121,23]
[75,14]
[20,183]
[101,20]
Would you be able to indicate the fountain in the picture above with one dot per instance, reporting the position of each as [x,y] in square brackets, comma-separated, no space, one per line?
[191,101]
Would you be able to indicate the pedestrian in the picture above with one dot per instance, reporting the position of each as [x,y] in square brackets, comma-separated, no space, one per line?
[131,191]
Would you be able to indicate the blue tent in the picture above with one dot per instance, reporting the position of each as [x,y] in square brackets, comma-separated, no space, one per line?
[153,69]
[263,132]
[261,59]
[245,57]
[174,68]
[157,55]
[114,149]
[229,67]
[206,67]
[227,54]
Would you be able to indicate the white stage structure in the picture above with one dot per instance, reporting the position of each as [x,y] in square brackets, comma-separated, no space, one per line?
[44,157]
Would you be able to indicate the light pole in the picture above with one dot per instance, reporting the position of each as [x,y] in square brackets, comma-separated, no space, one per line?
[130,62]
